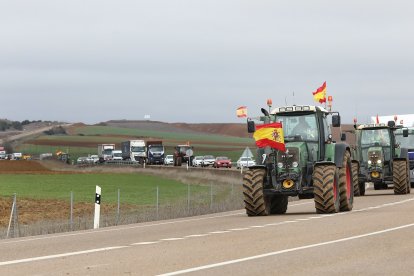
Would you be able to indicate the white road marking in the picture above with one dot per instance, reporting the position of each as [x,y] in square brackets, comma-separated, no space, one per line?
[197,235]
[60,255]
[219,232]
[194,269]
[239,229]
[145,243]
[172,239]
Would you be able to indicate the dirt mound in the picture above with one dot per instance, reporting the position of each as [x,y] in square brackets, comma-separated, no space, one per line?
[22,166]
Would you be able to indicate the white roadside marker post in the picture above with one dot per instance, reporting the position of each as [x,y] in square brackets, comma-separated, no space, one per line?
[97,208]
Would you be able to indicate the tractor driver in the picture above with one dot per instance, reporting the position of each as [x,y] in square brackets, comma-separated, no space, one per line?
[304,129]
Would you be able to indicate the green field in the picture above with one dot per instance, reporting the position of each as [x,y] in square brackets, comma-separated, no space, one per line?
[136,189]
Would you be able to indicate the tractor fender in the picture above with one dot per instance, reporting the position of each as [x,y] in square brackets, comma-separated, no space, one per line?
[258,167]
[340,150]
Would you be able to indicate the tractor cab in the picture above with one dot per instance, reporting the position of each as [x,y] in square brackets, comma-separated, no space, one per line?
[377,150]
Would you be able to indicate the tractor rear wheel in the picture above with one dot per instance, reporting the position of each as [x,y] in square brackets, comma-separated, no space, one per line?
[346,185]
[361,188]
[254,201]
[326,189]
[355,170]
[408,180]
[278,204]
[399,175]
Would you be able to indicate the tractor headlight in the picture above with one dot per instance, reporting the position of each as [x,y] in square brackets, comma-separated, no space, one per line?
[295,164]
[280,165]
[369,162]
[379,162]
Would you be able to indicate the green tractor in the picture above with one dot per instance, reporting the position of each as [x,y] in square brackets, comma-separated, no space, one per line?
[382,161]
[407,143]
[313,165]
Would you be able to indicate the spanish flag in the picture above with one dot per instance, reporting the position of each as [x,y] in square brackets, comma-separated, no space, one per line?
[320,94]
[270,135]
[241,111]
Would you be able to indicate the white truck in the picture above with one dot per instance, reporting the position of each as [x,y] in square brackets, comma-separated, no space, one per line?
[134,150]
[105,152]
[117,155]
[2,153]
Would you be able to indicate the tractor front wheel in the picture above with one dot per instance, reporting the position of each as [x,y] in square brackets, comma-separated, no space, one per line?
[399,175]
[326,189]
[254,200]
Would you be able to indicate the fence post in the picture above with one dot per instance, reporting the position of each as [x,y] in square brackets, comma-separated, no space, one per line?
[118,208]
[14,218]
[97,208]
[188,198]
[211,196]
[71,211]
[158,201]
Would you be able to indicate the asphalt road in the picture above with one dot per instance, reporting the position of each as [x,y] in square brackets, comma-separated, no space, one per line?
[376,238]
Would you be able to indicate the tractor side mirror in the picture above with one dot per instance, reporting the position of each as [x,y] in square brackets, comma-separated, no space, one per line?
[251,127]
[343,137]
[405,132]
[336,120]
[391,124]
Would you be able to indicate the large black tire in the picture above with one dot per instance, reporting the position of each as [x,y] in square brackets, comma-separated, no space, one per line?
[179,161]
[355,181]
[326,189]
[408,180]
[278,204]
[400,177]
[254,201]
[346,185]
[378,186]
[361,188]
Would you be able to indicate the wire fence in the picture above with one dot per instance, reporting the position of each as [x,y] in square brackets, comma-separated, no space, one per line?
[74,216]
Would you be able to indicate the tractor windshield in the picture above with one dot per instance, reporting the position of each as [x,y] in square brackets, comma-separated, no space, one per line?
[375,137]
[299,127]
[405,142]
[379,137]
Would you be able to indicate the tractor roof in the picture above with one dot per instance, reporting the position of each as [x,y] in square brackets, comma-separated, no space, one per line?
[298,108]
[372,126]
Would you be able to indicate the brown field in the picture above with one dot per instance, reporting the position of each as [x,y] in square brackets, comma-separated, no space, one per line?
[29,210]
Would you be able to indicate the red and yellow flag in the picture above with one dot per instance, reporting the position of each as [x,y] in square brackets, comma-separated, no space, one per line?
[320,94]
[241,111]
[270,135]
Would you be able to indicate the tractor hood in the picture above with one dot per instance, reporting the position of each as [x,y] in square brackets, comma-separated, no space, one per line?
[295,152]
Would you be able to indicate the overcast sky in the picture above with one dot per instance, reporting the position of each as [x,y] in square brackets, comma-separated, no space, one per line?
[197,61]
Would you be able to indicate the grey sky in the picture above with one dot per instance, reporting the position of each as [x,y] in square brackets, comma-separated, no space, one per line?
[197,61]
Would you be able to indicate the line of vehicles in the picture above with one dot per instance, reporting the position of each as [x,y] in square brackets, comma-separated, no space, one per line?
[315,166]
[13,156]
[153,153]
[140,151]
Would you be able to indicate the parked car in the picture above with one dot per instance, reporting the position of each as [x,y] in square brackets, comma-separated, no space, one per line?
[209,160]
[94,159]
[198,161]
[169,160]
[245,162]
[82,160]
[222,161]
